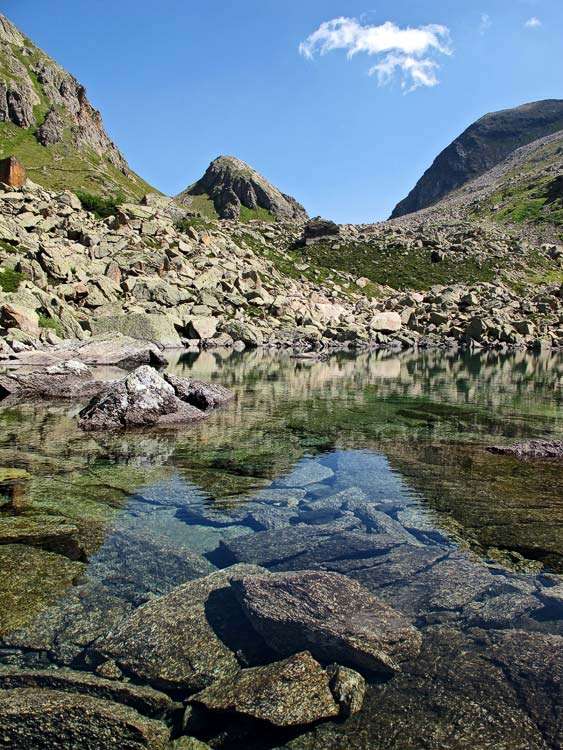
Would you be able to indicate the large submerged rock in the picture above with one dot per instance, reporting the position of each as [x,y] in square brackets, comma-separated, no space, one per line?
[188,638]
[144,398]
[330,615]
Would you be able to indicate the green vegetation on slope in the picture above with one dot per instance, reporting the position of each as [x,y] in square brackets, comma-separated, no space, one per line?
[64,167]
[10,280]
[395,267]
[532,193]
[100,207]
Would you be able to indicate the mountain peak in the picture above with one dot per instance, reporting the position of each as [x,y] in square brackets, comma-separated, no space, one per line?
[64,143]
[483,145]
[233,188]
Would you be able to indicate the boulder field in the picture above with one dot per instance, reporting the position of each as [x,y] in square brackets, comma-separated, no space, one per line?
[69,279]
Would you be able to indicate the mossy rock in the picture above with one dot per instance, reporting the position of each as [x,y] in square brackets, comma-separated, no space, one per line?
[32,580]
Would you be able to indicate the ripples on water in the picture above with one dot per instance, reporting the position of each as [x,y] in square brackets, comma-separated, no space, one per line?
[407,431]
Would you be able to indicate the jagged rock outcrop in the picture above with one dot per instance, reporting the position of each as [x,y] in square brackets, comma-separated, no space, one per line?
[37,95]
[231,183]
[480,147]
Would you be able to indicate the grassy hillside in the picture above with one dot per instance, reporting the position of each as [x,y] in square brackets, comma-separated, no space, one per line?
[63,166]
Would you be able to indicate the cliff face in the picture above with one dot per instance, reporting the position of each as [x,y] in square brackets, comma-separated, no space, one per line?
[479,148]
[47,121]
[233,186]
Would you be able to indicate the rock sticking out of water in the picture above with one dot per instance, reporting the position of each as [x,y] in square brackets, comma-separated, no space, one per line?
[144,398]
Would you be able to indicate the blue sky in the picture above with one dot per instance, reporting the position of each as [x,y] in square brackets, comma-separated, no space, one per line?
[180,82]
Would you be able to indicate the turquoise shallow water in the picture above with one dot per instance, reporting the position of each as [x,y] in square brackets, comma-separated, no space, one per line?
[304,469]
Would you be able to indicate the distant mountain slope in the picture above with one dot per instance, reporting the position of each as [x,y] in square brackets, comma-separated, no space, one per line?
[479,148]
[231,189]
[525,192]
[47,121]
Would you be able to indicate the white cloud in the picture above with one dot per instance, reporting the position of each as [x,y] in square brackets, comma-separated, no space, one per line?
[485,24]
[533,23]
[406,52]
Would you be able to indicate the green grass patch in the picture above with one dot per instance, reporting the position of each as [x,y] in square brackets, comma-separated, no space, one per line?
[10,280]
[203,204]
[99,206]
[52,323]
[64,167]
[395,267]
[255,214]
[199,223]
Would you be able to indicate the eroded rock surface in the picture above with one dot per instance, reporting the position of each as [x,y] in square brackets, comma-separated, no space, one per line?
[35,719]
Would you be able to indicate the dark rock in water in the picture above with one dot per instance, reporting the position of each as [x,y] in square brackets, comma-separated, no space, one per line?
[330,615]
[304,546]
[531,449]
[144,398]
[35,719]
[289,693]
[188,638]
[47,532]
[147,701]
[203,396]
[348,688]
[134,565]
[534,664]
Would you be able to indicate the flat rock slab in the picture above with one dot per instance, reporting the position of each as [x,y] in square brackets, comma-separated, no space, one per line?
[47,532]
[332,616]
[67,380]
[186,639]
[145,700]
[306,473]
[109,349]
[32,579]
[288,693]
[301,547]
[35,719]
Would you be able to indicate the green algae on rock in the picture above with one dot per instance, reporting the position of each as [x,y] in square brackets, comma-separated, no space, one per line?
[32,579]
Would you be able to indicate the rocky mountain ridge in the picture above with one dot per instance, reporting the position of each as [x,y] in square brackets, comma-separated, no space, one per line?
[47,121]
[484,144]
[234,190]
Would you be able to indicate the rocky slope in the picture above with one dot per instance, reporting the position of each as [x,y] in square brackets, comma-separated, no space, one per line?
[47,121]
[523,193]
[231,189]
[484,144]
